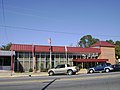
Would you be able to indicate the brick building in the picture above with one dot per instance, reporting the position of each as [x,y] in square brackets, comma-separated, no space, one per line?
[107,51]
[38,57]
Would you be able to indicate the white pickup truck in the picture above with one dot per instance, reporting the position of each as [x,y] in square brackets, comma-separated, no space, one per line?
[63,69]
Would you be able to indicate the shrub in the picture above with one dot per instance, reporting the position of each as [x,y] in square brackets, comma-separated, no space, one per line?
[80,66]
[44,70]
[30,70]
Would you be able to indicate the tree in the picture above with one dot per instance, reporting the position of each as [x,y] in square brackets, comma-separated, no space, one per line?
[117,49]
[6,47]
[110,41]
[87,41]
[117,43]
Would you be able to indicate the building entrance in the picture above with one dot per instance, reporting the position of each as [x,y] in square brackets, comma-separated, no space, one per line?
[5,63]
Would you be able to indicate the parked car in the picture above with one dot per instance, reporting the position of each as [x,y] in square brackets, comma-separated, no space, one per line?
[63,69]
[116,67]
[103,67]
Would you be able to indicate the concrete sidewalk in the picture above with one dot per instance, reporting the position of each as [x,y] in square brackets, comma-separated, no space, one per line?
[30,74]
[25,74]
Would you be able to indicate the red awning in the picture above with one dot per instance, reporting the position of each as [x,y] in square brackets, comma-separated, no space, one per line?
[44,48]
[90,60]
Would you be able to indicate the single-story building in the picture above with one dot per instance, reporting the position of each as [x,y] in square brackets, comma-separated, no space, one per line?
[7,60]
[40,57]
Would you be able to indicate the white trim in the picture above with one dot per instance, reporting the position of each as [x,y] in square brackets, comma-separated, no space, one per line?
[7,53]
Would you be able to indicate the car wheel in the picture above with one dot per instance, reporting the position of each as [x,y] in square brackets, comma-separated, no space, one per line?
[70,72]
[51,73]
[107,70]
[91,71]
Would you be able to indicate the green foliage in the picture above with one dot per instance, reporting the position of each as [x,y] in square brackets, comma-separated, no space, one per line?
[117,49]
[117,43]
[6,47]
[30,70]
[110,41]
[44,70]
[87,41]
[80,66]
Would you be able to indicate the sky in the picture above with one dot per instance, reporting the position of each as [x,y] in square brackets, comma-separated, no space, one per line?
[64,21]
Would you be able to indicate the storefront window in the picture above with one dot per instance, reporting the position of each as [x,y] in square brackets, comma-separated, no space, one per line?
[70,56]
[62,56]
[74,57]
[20,55]
[26,54]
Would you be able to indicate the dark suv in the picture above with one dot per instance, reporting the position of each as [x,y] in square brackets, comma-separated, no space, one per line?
[103,67]
[116,67]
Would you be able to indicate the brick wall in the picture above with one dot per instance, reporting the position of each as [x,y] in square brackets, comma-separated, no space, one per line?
[108,53]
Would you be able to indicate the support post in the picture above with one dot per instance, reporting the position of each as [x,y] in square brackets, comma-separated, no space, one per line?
[12,64]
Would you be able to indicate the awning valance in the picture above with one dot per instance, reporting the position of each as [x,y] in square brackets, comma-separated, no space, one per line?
[90,60]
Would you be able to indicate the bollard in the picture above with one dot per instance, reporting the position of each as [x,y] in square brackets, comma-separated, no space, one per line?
[29,75]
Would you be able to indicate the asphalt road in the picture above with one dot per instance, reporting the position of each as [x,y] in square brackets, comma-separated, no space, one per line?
[97,81]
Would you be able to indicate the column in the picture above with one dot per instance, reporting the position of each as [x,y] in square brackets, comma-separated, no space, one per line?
[12,65]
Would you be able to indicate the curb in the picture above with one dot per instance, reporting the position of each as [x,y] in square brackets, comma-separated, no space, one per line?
[9,75]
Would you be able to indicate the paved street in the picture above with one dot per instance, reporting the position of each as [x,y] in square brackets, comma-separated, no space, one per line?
[97,81]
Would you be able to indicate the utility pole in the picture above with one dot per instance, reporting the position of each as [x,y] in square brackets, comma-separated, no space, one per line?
[50,49]
[34,59]
[66,54]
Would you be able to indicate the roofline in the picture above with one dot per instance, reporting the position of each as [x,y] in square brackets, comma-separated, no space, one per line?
[45,48]
[100,44]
